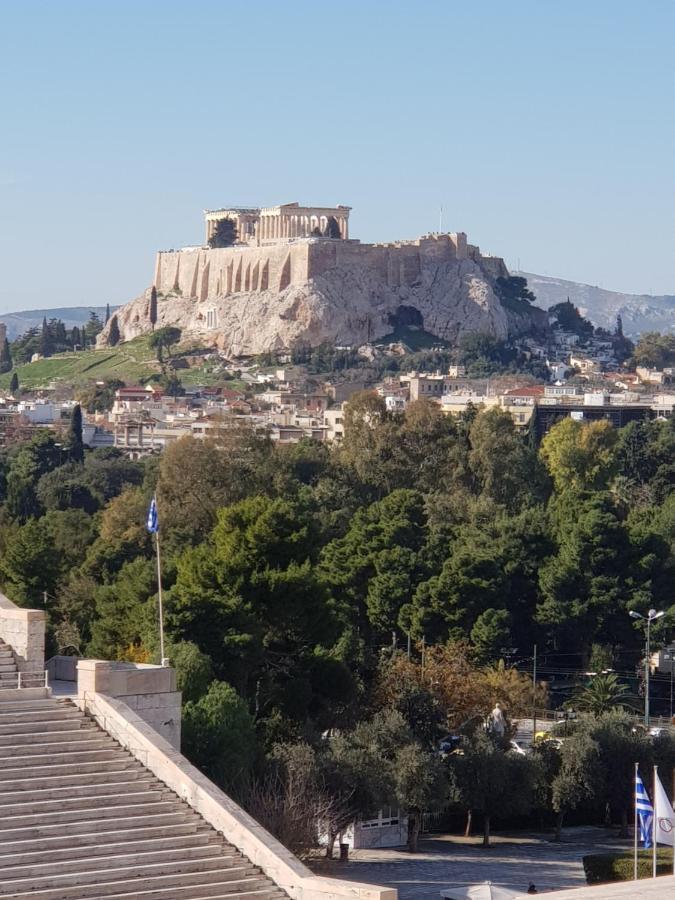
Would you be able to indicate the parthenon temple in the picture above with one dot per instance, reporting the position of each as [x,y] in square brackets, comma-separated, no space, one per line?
[274,224]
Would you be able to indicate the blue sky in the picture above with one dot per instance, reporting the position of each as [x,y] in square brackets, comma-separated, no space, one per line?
[545,130]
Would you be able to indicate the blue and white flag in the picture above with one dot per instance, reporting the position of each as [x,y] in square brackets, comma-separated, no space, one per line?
[645,812]
[153,521]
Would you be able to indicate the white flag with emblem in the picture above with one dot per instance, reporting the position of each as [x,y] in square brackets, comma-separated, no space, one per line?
[664,815]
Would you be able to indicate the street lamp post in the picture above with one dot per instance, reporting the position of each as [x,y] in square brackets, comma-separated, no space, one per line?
[651,616]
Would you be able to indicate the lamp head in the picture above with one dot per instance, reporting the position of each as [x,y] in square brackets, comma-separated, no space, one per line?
[635,615]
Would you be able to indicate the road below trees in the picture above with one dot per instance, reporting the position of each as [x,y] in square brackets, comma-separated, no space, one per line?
[514,860]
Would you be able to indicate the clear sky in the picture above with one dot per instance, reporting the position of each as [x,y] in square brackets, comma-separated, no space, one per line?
[545,130]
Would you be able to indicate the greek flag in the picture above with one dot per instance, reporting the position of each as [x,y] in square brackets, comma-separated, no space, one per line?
[644,811]
[153,521]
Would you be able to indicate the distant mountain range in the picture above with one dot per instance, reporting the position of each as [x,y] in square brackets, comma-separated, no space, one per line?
[639,312]
[19,322]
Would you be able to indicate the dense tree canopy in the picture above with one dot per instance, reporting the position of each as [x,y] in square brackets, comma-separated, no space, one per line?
[369,595]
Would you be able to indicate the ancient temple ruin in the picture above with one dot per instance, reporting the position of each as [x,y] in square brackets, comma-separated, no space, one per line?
[258,227]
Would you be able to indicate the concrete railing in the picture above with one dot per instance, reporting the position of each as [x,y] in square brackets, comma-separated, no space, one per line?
[24,631]
[216,808]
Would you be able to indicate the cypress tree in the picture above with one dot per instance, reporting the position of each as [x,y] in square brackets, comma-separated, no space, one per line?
[107,313]
[75,443]
[114,333]
[44,338]
[5,357]
[14,383]
[153,307]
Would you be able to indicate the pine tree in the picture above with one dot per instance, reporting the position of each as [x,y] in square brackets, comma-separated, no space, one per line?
[225,234]
[14,384]
[114,333]
[75,443]
[5,357]
[93,327]
[332,228]
[153,307]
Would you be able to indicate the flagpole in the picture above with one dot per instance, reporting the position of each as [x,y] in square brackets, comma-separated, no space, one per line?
[635,827]
[153,526]
[161,605]
[654,804]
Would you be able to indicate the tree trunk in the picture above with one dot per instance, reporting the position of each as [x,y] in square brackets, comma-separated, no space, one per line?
[558,826]
[414,824]
[467,830]
[330,845]
[486,830]
[623,832]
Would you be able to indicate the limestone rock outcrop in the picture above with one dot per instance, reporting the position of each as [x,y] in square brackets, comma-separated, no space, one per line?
[316,291]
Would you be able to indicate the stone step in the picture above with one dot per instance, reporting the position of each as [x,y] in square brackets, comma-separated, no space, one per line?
[126,770]
[6,653]
[24,693]
[80,854]
[56,735]
[17,802]
[22,704]
[123,834]
[219,892]
[38,715]
[50,749]
[84,761]
[125,858]
[100,748]
[251,889]
[11,831]
[92,816]
[7,665]
[60,887]
[36,781]
[57,722]
[270,893]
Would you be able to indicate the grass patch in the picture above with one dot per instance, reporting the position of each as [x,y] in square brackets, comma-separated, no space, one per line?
[133,362]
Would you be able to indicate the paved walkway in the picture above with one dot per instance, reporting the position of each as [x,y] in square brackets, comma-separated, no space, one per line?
[449,860]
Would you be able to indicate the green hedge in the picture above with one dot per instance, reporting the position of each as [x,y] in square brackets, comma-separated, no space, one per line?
[603,867]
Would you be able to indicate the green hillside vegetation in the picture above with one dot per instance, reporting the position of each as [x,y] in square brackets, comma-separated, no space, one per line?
[414,338]
[132,362]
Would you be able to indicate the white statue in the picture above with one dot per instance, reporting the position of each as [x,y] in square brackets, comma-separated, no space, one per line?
[497,723]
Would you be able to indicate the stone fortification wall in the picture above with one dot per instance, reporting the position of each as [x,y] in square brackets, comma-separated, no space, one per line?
[199,273]
[248,300]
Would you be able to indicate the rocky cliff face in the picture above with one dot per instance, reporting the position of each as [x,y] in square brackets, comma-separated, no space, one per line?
[346,304]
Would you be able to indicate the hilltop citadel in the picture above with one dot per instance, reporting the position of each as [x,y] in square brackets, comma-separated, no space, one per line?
[285,281]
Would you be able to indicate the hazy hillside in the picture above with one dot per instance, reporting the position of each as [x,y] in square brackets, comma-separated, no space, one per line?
[639,312]
[19,322]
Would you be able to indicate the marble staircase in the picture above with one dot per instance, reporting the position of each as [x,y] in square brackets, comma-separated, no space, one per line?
[83,819]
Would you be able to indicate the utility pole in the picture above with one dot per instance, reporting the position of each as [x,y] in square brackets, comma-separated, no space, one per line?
[534,694]
[651,616]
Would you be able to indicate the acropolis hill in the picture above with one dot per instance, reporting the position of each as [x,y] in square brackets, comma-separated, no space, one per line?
[284,283]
